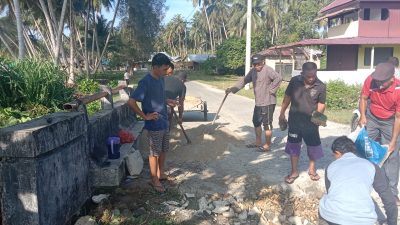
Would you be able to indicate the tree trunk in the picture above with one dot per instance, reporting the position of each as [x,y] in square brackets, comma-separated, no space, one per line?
[49,24]
[108,37]
[209,29]
[226,34]
[85,40]
[21,44]
[71,77]
[7,46]
[59,33]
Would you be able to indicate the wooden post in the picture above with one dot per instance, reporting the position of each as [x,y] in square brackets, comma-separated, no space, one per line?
[372,57]
[107,101]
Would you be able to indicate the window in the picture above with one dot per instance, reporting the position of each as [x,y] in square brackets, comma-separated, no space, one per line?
[374,14]
[348,18]
[380,55]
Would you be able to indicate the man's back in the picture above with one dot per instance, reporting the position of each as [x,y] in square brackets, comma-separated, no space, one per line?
[174,88]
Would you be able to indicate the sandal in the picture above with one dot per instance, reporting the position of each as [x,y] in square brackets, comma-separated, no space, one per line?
[289,179]
[262,149]
[252,146]
[166,177]
[314,177]
[158,188]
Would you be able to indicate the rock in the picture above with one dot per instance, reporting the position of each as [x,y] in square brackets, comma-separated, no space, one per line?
[282,218]
[295,220]
[126,213]
[220,203]
[184,205]
[98,198]
[254,211]
[275,220]
[306,222]
[243,215]
[269,215]
[174,203]
[138,212]
[220,209]
[203,204]
[236,223]
[284,187]
[189,195]
[86,220]
[116,213]
[228,214]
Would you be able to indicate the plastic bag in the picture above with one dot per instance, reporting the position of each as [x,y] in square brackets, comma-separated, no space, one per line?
[126,136]
[370,149]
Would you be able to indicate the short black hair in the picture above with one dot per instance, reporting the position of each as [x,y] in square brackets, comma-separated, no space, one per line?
[394,61]
[172,66]
[343,145]
[308,66]
[160,59]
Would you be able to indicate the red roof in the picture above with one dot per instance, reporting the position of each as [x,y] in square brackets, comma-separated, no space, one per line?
[334,5]
[284,52]
[344,41]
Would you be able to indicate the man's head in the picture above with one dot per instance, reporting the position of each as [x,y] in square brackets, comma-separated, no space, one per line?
[342,145]
[309,72]
[170,70]
[160,64]
[383,76]
[182,76]
[258,62]
[394,61]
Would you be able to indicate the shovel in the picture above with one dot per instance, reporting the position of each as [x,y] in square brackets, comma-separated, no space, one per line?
[183,130]
[211,129]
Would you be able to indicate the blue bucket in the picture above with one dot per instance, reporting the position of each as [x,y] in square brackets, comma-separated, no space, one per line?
[113,145]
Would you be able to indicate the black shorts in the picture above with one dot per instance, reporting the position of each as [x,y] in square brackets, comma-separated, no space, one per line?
[263,115]
[301,128]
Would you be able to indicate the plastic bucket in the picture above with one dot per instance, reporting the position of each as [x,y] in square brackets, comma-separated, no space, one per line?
[113,145]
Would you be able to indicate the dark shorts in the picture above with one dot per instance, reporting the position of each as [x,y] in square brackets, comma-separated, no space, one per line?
[158,141]
[301,128]
[263,115]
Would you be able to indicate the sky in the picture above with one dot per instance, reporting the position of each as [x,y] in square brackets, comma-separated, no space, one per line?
[183,7]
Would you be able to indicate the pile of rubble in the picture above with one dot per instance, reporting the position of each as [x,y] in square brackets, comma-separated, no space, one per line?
[274,205]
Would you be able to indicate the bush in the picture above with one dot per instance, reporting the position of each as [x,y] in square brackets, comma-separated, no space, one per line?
[342,96]
[89,87]
[30,88]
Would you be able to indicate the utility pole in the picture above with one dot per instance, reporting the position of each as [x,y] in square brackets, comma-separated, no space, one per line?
[248,40]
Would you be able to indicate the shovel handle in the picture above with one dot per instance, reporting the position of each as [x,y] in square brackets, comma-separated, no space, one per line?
[219,109]
[183,130]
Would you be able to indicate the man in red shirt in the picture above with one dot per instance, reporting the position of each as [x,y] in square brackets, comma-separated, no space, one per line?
[380,113]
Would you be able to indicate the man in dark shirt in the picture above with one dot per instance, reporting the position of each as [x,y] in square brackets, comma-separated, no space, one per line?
[265,83]
[151,93]
[305,94]
[175,89]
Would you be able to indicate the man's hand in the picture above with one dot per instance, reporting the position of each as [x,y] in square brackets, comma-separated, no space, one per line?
[152,116]
[392,147]
[363,121]
[318,118]
[283,123]
[180,120]
[228,90]
[172,103]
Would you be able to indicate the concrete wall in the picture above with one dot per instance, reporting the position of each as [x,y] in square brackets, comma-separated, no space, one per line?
[344,31]
[45,164]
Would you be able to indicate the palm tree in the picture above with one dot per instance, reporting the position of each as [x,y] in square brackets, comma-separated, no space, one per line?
[239,13]
[204,5]
[18,18]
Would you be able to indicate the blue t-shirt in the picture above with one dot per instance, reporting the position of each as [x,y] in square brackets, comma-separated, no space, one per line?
[151,93]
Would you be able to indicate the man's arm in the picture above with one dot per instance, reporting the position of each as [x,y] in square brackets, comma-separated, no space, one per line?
[363,110]
[285,105]
[395,133]
[321,107]
[276,81]
[133,105]
[381,186]
[240,84]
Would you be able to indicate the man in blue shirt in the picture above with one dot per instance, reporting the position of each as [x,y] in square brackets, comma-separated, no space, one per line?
[151,93]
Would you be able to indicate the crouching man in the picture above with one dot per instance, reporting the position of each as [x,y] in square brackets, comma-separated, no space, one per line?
[349,181]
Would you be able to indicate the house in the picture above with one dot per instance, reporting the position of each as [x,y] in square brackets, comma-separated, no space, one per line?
[284,61]
[361,34]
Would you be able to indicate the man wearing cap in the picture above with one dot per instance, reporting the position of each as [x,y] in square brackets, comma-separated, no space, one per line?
[175,88]
[380,113]
[265,83]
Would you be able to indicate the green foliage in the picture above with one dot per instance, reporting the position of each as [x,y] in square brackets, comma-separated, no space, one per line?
[112,83]
[342,96]
[88,86]
[30,88]
[232,52]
